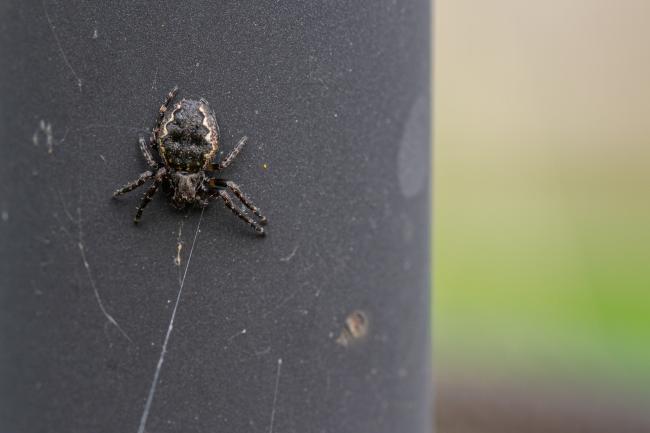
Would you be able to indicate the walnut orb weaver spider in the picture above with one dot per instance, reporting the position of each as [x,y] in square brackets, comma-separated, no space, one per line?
[186,138]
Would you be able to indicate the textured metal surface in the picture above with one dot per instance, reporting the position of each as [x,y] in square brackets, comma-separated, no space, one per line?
[334,99]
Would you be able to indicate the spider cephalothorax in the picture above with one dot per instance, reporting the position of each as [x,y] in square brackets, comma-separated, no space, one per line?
[187,139]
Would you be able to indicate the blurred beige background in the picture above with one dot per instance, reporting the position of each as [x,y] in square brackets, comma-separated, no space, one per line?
[542,215]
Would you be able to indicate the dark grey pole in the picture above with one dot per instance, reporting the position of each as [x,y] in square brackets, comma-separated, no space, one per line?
[322,326]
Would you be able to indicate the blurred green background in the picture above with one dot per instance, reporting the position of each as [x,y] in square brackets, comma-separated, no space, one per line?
[542,204]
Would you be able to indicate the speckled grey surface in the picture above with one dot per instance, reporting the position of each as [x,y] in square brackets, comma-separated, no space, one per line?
[334,98]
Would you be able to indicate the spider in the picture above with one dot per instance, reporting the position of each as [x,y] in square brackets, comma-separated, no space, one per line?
[187,139]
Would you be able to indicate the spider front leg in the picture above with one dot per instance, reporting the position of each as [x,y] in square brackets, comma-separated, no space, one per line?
[146,198]
[228,201]
[231,156]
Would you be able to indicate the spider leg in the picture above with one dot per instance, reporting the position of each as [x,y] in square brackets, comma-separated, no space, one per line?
[231,156]
[219,184]
[146,198]
[232,186]
[161,114]
[147,154]
[168,99]
[134,184]
[228,201]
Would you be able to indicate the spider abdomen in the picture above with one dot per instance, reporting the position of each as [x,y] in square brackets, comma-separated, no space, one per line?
[189,136]
[190,157]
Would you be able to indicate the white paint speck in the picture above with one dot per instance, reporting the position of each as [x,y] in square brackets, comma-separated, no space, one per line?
[95,34]
[44,129]
[5,216]
[49,139]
